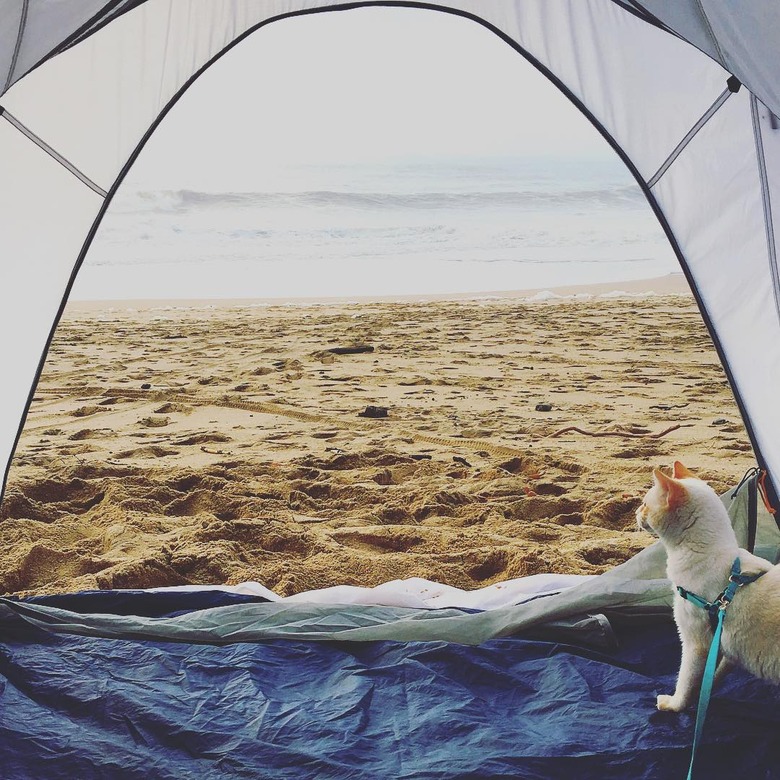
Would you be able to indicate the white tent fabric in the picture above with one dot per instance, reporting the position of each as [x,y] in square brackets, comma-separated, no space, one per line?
[414,593]
[86,83]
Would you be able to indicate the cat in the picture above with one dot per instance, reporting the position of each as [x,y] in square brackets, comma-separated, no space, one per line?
[694,527]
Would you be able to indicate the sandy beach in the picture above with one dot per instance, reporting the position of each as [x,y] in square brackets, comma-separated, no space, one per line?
[219,442]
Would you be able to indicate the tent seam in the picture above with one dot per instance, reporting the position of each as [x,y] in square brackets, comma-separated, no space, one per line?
[637,10]
[766,202]
[689,136]
[53,153]
[18,46]
[711,33]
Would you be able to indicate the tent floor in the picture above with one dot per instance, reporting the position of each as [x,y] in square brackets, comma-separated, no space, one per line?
[518,707]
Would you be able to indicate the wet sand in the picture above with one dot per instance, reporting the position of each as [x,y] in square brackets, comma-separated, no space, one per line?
[192,443]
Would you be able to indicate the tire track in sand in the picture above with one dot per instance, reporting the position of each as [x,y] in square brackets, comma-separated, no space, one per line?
[476,445]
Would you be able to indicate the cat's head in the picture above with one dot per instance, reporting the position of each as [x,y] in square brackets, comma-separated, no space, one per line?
[669,501]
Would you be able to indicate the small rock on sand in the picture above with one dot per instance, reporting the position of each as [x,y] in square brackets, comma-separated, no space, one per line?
[374,412]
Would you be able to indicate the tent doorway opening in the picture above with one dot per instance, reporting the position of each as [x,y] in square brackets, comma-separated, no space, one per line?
[378,152]
[181,436]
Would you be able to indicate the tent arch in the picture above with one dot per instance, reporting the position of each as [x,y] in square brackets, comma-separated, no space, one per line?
[630,8]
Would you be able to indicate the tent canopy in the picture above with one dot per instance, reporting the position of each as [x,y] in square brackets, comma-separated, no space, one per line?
[686,92]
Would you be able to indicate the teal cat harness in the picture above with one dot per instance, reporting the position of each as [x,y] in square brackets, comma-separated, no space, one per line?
[717,612]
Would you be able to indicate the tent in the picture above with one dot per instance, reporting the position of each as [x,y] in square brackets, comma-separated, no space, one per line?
[688,95]
[686,92]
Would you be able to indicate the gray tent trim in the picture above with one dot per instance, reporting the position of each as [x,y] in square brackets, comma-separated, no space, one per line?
[689,136]
[15,55]
[87,21]
[690,21]
[770,233]
[56,155]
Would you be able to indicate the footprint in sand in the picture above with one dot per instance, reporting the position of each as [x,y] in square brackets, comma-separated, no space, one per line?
[43,565]
[86,411]
[543,508]
[616,513]
[549,489]
[16,505]
[491,564]
[75,493]
[90,433]
[202,437]
[152,451]
[154,422]
[169,408]
[378,539]
[607,555]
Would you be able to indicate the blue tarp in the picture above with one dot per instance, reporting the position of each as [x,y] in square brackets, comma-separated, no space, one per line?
[145,603]
[82,707]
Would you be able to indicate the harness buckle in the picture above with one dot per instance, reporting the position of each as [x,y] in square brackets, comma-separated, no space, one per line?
[722,601]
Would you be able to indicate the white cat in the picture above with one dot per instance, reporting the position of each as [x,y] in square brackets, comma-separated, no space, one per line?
[689,518]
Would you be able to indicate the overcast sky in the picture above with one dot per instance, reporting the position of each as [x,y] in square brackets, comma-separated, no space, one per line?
[364,85]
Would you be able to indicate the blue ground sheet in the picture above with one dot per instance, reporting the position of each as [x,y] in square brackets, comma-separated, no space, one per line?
[518,707]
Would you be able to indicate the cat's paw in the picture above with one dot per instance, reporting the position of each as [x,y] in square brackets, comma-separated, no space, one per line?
[668,703]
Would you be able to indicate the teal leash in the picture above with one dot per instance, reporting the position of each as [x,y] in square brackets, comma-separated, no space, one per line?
[717,612]
[706,688]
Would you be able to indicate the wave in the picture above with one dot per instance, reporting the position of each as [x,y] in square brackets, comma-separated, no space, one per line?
[189,200]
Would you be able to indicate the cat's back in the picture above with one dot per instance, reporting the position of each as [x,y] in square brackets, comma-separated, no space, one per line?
[752,626]
[758,604]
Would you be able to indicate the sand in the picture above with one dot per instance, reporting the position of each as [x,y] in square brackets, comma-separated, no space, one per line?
[217,443]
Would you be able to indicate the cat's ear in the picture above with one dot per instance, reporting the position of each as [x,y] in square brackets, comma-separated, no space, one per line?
[673,492]
[679,471]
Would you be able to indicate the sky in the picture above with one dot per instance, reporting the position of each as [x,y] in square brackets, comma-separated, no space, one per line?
[367,85]
[315,103]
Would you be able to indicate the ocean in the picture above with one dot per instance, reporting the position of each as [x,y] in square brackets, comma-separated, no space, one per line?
[400,228]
